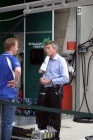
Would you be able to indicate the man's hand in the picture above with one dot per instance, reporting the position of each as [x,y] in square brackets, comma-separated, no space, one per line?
[12,83]
[44,81]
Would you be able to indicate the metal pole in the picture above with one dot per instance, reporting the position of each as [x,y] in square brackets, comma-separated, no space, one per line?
[24,57]
[78,38]
[53,25]
[45,5]
[57,6]
[30,4]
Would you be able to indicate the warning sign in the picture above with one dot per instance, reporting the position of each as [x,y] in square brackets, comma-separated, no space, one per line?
[71,45]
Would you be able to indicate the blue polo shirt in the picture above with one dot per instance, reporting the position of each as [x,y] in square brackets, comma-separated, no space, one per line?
[8,63]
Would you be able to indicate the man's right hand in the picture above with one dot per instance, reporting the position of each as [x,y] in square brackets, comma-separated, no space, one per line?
[12,83]
[44,81]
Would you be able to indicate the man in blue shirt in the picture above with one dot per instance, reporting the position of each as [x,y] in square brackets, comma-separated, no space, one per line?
[55,76]
[10,72]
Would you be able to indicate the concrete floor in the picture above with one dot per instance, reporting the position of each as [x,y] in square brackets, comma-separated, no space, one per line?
[70,130]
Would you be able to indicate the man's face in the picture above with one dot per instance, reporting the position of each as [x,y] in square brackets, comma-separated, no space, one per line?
[50,51]
[15,48]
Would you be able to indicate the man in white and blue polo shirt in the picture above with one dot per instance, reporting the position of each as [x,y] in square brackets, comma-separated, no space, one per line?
[10,72]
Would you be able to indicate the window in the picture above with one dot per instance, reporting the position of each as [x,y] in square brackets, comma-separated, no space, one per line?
[36,56]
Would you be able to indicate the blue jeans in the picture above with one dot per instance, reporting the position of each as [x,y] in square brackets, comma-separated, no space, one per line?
[7,118]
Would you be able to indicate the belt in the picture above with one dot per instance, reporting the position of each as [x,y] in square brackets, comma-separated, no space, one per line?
[54,86]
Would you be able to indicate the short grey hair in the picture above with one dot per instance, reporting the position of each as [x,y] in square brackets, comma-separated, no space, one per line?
[53,43]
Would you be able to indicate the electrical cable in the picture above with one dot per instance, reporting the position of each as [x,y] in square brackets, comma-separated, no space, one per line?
[84,47]
[90,40]
[90,33]
[91,43]
[85,84]
[85,77]
[88,68]
[18,23]
[9,19]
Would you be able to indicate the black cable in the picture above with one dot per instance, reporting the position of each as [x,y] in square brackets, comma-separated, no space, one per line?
[90,33]
[85,83]
[85,77]
[91,44]
[83,45]
[9,19]
[18,23]
[86,42]
[83,80]
[88,69]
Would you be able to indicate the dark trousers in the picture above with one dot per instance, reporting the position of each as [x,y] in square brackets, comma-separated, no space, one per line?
[49,97]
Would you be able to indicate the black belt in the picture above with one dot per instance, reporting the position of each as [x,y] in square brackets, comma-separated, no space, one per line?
[54,86]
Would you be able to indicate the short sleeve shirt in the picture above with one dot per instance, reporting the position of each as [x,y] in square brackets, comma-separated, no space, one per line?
[8,63]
